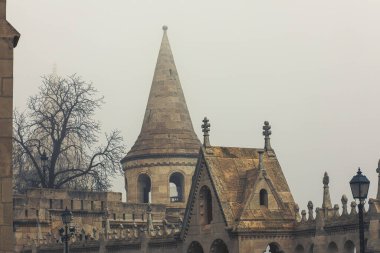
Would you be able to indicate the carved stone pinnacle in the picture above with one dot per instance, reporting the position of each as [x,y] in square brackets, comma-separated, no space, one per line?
[206,132]
[326,179]
[267,132]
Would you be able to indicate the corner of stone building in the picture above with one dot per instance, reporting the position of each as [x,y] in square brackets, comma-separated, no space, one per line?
[3,9]
[8,40]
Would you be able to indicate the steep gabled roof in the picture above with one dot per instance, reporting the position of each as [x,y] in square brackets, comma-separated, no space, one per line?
[234,173]
[167,129]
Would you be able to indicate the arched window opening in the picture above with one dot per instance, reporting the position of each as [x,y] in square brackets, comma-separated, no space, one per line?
[299,249]
[332,248]
[219,246]
[176,187]
[205,205]
[349,247]
[195,247]
[273,248]
[144,188]
[263,198]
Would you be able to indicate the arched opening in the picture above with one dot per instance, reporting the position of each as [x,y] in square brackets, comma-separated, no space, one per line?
[144,188]
[218,246]
[195,247]
[332,247]
[349,247]
[299,249]
[205,205]
[263,198]
[273,247]
[311,249]
[176,187]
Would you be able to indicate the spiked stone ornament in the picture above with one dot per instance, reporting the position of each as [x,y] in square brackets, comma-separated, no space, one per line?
[206,130]
[267,132]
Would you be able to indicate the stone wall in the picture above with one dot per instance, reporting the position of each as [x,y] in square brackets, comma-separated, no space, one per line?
[37,214]
[8,40]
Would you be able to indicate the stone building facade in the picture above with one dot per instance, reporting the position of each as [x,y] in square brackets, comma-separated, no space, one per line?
[8,41]
[233,200]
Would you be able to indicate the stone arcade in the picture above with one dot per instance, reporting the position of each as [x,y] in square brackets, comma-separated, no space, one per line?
[182,196]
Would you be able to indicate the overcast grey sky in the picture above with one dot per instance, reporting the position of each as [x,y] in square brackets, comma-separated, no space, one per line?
[309,67]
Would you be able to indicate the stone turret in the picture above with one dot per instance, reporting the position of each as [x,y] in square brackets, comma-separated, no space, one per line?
[8,40]
[160,165]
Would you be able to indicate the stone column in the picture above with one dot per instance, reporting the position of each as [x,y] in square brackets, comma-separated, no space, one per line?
[8,40]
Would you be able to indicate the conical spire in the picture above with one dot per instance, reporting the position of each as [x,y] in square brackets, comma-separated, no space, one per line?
[167,130]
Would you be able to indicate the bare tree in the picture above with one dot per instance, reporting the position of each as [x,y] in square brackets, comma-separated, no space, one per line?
[56,140]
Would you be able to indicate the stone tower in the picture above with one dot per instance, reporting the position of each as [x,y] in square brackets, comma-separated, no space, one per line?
[8,40]
[160,165]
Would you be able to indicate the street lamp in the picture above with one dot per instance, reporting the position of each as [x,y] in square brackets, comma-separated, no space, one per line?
[359,188]
[67,216]
[44,160]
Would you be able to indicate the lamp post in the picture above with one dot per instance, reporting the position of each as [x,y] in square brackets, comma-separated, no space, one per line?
[359,188]
[66,219]
[44,160]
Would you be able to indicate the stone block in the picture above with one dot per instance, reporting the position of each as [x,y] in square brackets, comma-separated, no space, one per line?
[3,9]
[5,127]
[6,190]
[7,87]
[7,214]
[6,107]
[6,68]
[6,238]
[1,213]
[5,158]
[5,51]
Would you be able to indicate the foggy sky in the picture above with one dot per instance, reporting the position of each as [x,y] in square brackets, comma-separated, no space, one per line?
[311,68]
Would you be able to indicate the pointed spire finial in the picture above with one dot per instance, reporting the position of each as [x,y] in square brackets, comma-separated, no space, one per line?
[326,179]
[206,130]
[310,207]
[326,192]
[165,28]
[267,132]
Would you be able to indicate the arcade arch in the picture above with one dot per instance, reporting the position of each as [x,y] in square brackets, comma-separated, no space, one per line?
[176,187]
[332,247]
[349,247]
[195,247]
[218,246]
[144,186]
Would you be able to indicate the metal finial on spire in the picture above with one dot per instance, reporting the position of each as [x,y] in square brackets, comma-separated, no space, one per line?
[267,132]
[206,129]
[165,28]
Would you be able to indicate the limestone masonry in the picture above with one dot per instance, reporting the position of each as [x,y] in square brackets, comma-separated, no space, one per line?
[8,40]
[182,195]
